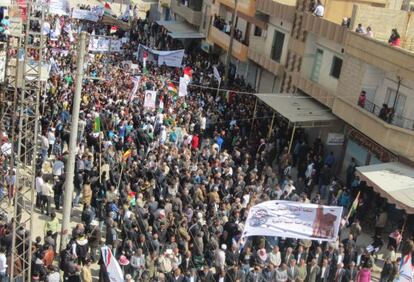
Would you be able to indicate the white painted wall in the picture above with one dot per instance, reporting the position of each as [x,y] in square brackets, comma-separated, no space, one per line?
[283,27]
[330,50]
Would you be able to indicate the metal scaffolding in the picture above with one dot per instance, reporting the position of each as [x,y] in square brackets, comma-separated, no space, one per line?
[20,119]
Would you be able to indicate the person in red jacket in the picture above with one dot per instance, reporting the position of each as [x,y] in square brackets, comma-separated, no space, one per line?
[195,142]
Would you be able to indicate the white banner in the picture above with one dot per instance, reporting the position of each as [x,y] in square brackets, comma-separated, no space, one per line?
[182,89]
[59,7]
[135,80]
[169,58]
[150,98]
[293,220]
[104,44]
[2,66]
[216,74]
[87,15]
[112,266]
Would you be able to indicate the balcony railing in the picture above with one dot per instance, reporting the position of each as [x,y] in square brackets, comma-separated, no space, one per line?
[259,54]
[389,116]
[222,39]
[190,14]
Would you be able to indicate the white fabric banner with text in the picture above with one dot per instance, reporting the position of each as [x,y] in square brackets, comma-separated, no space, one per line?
[169,58]
[182,88]
[87,15]
[293,220]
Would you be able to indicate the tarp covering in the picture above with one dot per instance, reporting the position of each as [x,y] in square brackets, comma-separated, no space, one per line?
[393,181]
[298,109]
[180,30]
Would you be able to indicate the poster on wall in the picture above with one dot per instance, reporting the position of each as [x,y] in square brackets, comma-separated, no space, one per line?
[335,139]
[293,220]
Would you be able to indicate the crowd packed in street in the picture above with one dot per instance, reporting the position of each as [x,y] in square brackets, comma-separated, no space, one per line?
[168,189]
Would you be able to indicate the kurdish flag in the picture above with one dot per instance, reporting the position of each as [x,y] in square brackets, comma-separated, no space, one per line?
[354,206]
[172,88]
[97,125]
[126,154]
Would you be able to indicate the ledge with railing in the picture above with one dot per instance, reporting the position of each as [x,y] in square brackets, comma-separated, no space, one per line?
[388,115]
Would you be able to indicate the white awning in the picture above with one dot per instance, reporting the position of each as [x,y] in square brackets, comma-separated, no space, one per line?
[180,30]
[393,181]
[298,109]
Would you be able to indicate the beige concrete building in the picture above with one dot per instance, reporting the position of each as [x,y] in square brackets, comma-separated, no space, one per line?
[286,49]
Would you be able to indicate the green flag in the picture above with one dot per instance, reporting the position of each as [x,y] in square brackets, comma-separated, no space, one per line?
[97,125]
[354,206]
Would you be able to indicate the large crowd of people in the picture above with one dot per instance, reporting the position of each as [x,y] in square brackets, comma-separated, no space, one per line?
[168,189]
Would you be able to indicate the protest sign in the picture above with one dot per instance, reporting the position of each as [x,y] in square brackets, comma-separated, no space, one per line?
[293,220]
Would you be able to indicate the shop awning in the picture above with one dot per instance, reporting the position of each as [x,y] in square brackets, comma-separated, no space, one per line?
[393,181]
[299,110]
[180,30]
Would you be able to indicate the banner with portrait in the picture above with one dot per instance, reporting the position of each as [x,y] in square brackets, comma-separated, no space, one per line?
[293,220]
[150,99]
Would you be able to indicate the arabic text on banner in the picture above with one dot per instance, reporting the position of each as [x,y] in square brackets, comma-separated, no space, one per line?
[85,15]
[169,58]
[293,220]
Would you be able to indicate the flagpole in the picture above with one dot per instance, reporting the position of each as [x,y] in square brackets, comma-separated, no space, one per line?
[218,89]
[350,211]
[70,169]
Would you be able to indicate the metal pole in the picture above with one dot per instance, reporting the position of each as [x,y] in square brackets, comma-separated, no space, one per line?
[291,138]
[70,169]
[271,126]
[228,56]
[254,117]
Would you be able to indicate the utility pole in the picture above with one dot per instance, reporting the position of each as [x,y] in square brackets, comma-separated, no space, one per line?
[228,56]
[70,168]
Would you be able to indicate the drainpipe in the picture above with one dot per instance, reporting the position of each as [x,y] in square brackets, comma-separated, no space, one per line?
[397,92]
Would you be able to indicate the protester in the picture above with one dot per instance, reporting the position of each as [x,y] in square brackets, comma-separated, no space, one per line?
[168,188]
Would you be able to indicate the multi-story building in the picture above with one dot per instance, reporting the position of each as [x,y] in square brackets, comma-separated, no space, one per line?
[289,50]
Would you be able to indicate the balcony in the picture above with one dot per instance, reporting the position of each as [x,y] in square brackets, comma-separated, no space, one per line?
[247,7]
[190,14]
[276,9]
[314,90]
[324,28]
[222,39]
[393,138]
[380,54]
[258,54]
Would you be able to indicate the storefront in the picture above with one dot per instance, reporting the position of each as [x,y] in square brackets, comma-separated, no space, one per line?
[364,150]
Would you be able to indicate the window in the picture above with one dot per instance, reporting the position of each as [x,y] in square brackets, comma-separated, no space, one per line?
[257,31]
[336,67]
[317,65]
[277,46]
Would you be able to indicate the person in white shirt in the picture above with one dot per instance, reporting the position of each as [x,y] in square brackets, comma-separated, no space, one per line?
[3,264]
[47,194]
[319,10]
[39,185]
[45,147]
[275,257]
[52,139]
[58,167]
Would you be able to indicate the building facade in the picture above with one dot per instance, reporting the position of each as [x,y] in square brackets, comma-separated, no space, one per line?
[284,48]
